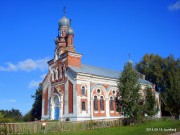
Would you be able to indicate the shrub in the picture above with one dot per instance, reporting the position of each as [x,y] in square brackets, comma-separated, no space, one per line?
[67,119]
[7,120]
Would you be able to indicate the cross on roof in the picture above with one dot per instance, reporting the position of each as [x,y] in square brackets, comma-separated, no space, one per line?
[64,10]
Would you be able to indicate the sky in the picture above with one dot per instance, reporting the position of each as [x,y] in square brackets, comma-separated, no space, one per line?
[106,31]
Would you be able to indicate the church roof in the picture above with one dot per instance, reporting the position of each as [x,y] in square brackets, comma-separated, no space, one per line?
[93,70]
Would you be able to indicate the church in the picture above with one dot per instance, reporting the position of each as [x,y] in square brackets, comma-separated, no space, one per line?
[75,91]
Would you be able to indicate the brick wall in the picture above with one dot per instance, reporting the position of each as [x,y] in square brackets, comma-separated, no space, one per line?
[46,102]
[70,97]
[73,61]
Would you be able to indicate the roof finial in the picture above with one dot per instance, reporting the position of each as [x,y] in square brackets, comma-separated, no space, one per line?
[129,61]
[64,10]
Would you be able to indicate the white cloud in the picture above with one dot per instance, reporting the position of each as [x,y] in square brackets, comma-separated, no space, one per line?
[7,100]
[12,100]
[34,84]
[174,6]
[10,67]
[27,65]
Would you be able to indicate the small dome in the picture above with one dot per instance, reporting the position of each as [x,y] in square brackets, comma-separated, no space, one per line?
[64,22]
[70,31]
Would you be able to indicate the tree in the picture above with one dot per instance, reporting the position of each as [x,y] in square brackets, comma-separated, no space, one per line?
[152,66]
[28,116]
[172,92]
[1,115]
[165,74]
[150,102]
[128,96]
[13,114]
[37,105]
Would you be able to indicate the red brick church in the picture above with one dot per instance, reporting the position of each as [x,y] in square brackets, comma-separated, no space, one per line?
[77,91]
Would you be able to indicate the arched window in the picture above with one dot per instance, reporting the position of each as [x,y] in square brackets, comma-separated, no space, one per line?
[57,73]
[111,103]
[95,103]
[83,90]
[59,55]
[83,106]
[54,75]
[102,103]
[62,70]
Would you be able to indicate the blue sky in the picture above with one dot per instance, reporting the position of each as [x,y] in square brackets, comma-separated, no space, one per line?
[106,31]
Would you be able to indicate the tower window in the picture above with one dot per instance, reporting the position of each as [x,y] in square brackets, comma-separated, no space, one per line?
[83,90]
[102,103]
[54,73]
[95,103]
[83,106]
[59,55]
[111,103]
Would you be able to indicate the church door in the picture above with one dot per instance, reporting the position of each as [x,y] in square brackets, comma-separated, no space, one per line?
[56,111]
[56,108]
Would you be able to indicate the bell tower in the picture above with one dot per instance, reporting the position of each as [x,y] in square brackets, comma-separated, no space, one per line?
[64,41]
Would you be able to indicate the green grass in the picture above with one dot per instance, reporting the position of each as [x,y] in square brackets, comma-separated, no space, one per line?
[137,129]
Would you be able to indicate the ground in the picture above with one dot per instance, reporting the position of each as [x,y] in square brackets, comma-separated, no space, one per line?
[155,127]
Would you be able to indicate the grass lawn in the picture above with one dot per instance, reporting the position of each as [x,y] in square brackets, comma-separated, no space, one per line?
[138,129]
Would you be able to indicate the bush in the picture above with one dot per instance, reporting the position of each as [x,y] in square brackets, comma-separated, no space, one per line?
[67,119]
[7,120]
[127,121]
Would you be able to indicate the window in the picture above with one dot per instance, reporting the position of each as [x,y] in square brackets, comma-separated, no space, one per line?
[83,90]
[62,70]
[59,55]
[101,103]
[111,103]
[98,91]
[54,75]
[95,103]
[83,106]
[57,73]
[113,92]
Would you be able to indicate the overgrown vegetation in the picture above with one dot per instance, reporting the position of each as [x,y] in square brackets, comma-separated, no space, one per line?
[165,74]
[130,101]
[12,115]
[150,107]
[128,95]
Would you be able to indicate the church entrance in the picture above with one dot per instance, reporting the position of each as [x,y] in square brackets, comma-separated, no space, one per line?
[56,113]
[56,107]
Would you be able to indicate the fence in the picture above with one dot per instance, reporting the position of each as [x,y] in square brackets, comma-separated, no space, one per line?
[36,127]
